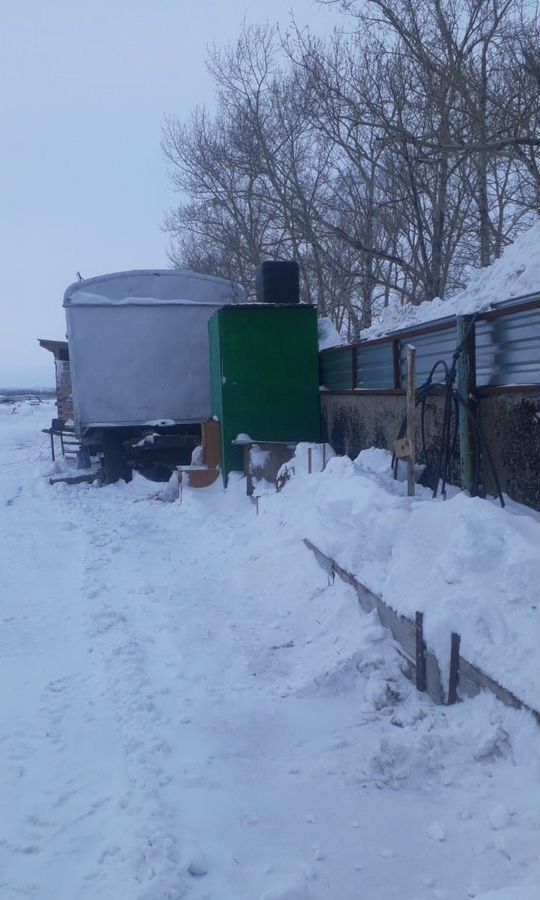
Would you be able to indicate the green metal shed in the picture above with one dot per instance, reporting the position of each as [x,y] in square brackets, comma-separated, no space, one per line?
[264,376]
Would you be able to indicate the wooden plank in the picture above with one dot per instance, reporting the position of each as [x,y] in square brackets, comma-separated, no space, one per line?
[402,629]
[211,443]
[76,479]
[324,561]
[471,680]
[433,678]
[402,448]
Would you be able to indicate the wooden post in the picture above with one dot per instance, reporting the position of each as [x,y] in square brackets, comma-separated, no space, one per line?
[420,652]
[309,460]
[466,384]
[411,420]
[323,457]
[454,669]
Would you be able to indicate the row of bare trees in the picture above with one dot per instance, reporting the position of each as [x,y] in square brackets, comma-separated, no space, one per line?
[387,159]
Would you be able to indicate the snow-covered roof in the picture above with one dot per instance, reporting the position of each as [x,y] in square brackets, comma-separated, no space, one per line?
[142,287]
[516,274]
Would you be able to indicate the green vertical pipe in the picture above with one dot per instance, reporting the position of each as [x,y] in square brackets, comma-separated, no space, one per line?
[466,380]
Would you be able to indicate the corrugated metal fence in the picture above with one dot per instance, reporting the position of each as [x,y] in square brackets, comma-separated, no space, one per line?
[507,350]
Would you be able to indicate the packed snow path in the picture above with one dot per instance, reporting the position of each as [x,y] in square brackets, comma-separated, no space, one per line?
[189,709]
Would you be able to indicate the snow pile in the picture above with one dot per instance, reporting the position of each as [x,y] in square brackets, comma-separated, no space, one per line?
[467,564]
[329,336]
[200,714]
[527,890]
[515,274]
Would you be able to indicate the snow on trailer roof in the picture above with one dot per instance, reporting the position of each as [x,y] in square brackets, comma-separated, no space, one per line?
[151,287]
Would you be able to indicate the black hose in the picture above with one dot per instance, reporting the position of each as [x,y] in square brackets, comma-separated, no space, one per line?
[450,426]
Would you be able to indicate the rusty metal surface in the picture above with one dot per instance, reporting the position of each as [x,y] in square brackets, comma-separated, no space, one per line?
[511,427]
[510,424]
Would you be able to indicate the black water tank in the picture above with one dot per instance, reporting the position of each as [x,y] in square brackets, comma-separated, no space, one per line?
[277,281]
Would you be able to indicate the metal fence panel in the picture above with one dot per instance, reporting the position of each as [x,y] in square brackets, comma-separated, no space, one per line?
[430,348]
[336,370]
[507,353]
[375,366]
[508,349]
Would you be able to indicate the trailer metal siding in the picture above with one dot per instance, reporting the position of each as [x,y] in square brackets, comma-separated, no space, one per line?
[139,347]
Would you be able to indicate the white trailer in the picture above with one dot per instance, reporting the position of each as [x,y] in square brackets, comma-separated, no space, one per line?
[138,347]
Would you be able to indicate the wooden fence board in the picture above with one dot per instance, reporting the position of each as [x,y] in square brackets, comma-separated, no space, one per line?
[470,679]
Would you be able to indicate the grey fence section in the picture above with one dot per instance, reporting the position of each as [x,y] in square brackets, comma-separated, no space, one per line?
[507,345]
[508,349]
[430,348]
[374,366]
[336,370]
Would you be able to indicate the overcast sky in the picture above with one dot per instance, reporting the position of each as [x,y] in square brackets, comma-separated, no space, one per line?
[83,185]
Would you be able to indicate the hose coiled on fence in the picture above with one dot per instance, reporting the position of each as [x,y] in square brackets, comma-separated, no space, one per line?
[438,474]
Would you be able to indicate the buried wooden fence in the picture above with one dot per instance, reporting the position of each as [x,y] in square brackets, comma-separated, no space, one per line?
[421,666]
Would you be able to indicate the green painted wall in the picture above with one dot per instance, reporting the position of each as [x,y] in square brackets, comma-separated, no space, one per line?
[264,376]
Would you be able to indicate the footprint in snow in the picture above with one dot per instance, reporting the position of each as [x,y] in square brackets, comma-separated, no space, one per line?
[436,831]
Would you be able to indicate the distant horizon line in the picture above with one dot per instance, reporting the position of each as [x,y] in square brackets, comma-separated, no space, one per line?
[32,389]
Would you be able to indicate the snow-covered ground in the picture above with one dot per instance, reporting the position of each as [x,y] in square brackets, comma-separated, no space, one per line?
[467,564]
[190,710]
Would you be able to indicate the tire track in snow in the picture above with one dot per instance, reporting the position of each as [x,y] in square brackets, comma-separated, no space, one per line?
[58,802]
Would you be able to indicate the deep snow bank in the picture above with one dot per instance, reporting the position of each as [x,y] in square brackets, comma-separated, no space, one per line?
[515,274]
[192,696]
[467,564]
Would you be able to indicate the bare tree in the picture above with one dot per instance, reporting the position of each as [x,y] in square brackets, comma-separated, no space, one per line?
[387,159]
